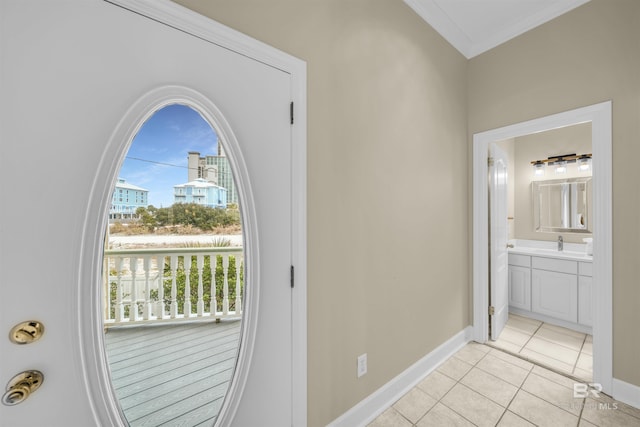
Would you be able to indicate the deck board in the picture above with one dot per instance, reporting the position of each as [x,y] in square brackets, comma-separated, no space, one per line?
[163,362]
[172,374]
[143,363]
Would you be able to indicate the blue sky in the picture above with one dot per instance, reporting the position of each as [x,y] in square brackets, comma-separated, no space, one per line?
[167,137]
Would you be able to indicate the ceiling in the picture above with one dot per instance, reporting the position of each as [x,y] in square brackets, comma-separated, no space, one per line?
[475,26]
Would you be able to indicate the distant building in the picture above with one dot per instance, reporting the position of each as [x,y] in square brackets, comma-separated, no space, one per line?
[127,198]
[201,192]
[213,169]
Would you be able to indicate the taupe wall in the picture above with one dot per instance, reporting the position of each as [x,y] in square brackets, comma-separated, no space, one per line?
[387,185]
[570,139]
[586,56]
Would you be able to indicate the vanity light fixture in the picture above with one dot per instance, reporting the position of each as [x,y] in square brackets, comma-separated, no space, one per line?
[538,168]
[561,166]
[560,163]
[584,163]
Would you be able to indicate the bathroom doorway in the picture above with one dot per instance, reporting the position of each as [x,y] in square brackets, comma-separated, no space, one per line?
[539,221]
[599,118]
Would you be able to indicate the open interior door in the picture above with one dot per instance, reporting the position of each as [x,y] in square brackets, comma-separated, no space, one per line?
[498,236]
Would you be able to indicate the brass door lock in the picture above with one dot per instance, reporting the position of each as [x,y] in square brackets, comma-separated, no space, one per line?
[26,332]
[21,386]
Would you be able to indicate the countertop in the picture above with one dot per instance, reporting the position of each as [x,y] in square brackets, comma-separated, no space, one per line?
[550,253]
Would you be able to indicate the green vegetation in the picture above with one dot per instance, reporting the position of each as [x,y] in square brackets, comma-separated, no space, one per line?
[206,281]
[189,215]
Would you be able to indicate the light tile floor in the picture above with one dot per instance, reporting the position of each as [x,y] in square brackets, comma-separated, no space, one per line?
[557,348]
[484,386]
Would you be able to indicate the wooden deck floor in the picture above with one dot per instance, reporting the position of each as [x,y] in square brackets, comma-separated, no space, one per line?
[172,374]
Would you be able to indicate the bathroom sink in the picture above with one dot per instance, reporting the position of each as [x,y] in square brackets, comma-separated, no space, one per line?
[550,252]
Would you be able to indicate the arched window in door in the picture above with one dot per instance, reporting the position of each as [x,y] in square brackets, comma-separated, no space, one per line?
[173,272]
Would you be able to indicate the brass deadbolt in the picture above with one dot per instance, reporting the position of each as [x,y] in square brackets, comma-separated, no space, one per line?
[21,386]
[26,332]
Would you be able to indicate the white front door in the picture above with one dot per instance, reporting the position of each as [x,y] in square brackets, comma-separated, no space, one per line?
[70,72]
[498,232]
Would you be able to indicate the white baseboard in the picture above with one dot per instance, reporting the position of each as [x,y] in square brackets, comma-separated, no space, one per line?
[377,402]
[626,393]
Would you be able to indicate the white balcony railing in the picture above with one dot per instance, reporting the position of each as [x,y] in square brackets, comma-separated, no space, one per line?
[152,285]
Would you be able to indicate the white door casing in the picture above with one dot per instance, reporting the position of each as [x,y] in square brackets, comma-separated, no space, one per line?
[71,72]
[499,234]
[601,124]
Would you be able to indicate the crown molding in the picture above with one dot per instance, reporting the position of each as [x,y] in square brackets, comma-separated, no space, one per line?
[431,12]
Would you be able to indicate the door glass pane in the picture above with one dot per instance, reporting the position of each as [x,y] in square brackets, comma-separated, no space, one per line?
[173,273]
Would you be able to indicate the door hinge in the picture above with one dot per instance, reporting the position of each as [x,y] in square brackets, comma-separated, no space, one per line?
[492,310]
[490,161]
[292,277]
[291,111]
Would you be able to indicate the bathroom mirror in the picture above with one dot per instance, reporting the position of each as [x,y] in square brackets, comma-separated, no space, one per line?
[562,205]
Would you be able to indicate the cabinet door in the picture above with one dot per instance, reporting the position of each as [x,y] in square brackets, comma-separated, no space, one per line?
[555,294]
[585,300]
[520,287]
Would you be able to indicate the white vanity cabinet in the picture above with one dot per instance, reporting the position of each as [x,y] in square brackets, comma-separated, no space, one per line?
[551,289]
[520,281]
[585,292]
[555,294]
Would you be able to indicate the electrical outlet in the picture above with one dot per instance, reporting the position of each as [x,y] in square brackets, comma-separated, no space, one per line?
[362,365]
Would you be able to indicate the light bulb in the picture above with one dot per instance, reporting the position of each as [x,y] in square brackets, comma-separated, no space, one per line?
[584,164]
[561,167]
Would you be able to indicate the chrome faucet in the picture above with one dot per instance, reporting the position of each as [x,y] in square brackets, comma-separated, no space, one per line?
[560,243]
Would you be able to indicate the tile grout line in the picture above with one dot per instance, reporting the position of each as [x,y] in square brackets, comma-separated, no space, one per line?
[442,397]
[516,393]
[560,344]
[552,403]
[394,410]
[584,403]
[575,365]
[452,387]
[530,359]
[505,340]
[513,398]
[541,398]
[531,337]
[450,408]
[554,328]
[506,408]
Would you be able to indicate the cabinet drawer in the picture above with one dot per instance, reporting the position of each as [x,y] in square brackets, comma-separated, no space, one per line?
[520,260]
[553,264]
[585,269]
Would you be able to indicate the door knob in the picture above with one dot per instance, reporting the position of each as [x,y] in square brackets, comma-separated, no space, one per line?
[26,332]
[21,386]
[509,245]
